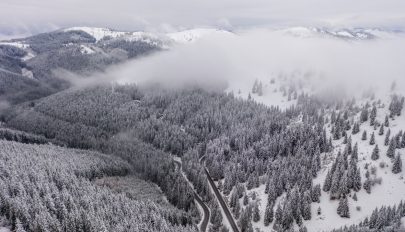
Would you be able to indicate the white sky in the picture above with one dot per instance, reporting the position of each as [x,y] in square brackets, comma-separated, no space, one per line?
[33,16]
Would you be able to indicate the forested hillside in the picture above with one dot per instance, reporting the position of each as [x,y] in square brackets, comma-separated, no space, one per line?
[247,147]
[49,188]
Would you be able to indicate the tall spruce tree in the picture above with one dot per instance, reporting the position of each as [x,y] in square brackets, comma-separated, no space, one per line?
[376,153]
[372,139]
[268,214]
[381,131]
[397,165]
[343,208]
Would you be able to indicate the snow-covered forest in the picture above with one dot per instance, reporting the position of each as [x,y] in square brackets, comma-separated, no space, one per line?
[244,116]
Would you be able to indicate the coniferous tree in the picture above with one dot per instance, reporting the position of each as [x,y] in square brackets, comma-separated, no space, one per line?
[216,216]
[387,121]
[397,165]
[234,198]
[345,139]
[256,212]
[327,182]
[343,189]
[316,193]
[260,89]
[268,214]
[255,86]
[343,208]
[403,141]
[391,148]
[19,226]
[372,139]
[367,185]
[376,153]
[288,218]
[278,217]
[236,210]
[306,210]
[245,200]
[381,131]
[356,128]
[364,135]
[355,197]
[387,138]
[357,181]
[355,152]
[364,115]
[373,115]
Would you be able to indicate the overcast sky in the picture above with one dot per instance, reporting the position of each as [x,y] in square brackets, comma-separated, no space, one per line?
[32,16]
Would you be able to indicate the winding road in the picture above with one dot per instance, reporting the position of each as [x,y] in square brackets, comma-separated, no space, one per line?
[220,199]
[206,216]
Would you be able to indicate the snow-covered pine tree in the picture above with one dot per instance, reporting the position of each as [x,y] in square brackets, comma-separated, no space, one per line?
[268,214]
[397,165]
[306,206]
[356,128]
[316,193]
[387,137]
[381,131]
[260,89]
[256,212]
[343,208]
[357,181]
[391,148]
[373,115]
[345,139]
[234,198]
[245,200]
[355,152]
[255,86]
[364,135]
[403,140]
[386,121]
[367,185]
[372,139]
[364,115]
[376,153]
[327,182]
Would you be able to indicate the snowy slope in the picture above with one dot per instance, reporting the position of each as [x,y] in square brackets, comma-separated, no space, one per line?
[275,88]
[97,32]
[349,34]
[391,190]
[195,34]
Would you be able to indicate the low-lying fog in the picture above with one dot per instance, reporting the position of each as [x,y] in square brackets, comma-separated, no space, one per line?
[221,58]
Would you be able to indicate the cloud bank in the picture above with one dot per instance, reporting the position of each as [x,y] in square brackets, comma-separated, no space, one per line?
[218,60]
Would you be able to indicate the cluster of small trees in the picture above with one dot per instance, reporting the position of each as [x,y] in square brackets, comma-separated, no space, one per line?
[258,88]
[382,219]
[396,105]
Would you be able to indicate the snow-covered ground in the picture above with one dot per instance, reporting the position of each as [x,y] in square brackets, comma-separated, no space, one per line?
[181,37]
[4,225]
[16,44]
[192,35]
[391,190]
